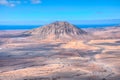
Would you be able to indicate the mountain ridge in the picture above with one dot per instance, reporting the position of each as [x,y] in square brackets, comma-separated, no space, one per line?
[58,30]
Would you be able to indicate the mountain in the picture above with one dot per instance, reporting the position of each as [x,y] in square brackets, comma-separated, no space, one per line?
[58,30]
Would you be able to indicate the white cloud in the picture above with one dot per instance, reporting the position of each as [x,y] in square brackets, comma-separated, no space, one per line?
[35,1]
[4,2]
[13,3]
[7,3]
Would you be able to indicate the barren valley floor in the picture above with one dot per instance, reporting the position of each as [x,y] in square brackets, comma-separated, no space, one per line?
[23,58]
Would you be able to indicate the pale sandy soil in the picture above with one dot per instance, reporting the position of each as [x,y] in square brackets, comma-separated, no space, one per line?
[79,45]
[32,59]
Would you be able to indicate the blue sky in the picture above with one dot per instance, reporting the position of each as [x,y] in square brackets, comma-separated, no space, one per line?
[35,12]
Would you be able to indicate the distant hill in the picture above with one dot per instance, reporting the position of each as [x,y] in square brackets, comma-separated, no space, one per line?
[110,32]
[58,30]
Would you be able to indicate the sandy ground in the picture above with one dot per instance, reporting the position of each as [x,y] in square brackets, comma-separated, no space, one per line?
[24,58]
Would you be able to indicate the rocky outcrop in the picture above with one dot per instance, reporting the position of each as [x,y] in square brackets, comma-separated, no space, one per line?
[58,30]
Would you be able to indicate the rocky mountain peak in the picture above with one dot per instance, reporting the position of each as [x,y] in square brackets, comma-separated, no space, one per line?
[58,30]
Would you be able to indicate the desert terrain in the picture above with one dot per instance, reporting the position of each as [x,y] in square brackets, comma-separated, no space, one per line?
[30,58]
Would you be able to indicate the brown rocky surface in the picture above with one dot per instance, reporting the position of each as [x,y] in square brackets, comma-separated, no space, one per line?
[58,30]
[30,58]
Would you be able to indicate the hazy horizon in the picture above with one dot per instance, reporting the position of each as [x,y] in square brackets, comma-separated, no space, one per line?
[28,27]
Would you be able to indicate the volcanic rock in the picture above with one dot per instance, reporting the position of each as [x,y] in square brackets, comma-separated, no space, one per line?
[58,30]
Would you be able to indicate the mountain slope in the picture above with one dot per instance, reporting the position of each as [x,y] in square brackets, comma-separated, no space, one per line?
[58,30]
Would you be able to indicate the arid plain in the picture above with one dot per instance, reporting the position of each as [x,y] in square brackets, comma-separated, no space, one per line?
[29,58]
